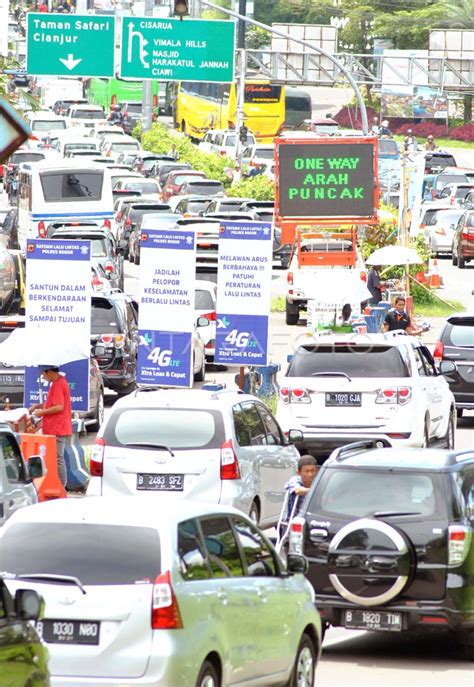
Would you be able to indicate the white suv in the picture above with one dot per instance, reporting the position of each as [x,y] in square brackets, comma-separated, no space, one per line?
[338,389]
[216,446]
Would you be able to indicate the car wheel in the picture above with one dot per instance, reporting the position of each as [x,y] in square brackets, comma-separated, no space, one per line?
[454,259]
[461,263]
[200,374]
[426,435]
[254,513]
[99,413]
[208,676]
[137,259]
[291,314]
[305,664]
[450,432]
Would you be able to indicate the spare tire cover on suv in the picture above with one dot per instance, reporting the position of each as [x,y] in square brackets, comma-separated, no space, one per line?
[370,562]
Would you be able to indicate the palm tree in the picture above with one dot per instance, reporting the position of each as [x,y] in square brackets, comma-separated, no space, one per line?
[459,13]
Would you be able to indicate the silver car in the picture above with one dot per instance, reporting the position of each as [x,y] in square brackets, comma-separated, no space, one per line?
[440,230]
[17,489]
[217,446]
[172,595]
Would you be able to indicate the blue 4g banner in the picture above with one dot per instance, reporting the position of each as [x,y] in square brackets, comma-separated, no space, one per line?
[77,375]
[244,278]
[166,312]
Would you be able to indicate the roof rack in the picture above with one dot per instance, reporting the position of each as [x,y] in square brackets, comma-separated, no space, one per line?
[349,450]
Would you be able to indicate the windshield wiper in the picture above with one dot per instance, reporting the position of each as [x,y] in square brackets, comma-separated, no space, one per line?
[393,513]
[67,579]
[331,374]
[144,444]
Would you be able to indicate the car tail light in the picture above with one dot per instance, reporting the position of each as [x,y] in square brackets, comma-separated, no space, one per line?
[229,463]
[289,278]
[388,395]
[128,222]
[433,620]
[109,267]
[113,100]
[434,193]
[107,224]
[97,458]
[97,283]
[438,352]
[118,216]
[404,395]
[467,233]
[165,613]
[107,339]
[299,396]
[459,542]
[41,230]
[211,316]
[284,394]
[296,536]
[210,344]
[119,340]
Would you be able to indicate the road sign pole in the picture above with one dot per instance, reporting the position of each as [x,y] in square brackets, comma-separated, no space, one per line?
[147,97]
[240,111]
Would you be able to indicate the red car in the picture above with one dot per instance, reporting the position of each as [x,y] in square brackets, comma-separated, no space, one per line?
[176,179]
[463,241]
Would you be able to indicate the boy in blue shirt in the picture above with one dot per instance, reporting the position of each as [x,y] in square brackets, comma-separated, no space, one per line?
[299,485]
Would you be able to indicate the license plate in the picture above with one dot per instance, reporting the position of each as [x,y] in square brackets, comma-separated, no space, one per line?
[148,482]
[373,620]
[344,399]
[12,380]
[69,631]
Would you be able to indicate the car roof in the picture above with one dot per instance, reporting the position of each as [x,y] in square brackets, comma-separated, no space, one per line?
[403,458]
[111,510]
[387,339]
[198,399]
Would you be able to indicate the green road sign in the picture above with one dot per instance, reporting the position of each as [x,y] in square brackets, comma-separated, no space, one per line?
[175,50]
[70,45]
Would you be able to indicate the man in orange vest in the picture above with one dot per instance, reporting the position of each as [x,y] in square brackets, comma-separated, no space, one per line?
[56,413]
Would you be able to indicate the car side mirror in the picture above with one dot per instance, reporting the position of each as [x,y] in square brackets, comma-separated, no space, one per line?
[296,563]
[447,367]
[295,436]
[36,467]
[202,322]
[29,605]
[99,351]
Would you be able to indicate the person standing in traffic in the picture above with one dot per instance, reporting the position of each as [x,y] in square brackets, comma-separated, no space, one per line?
[56,413]
[375,285]
[173,152]
[430,143]
[399,319]
[410,142]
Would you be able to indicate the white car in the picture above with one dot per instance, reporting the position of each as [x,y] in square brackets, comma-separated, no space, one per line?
[217,446]
[205,297]
[112,147]
[223,142]
[338,389]
[440,230]
[85,115]
[161,595]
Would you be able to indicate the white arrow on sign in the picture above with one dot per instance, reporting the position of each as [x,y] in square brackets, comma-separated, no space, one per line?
[70,63]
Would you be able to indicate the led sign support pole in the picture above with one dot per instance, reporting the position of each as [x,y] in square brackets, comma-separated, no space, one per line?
[147,98]
[306,44]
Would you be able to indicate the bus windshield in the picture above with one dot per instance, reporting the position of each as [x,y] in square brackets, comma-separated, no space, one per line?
[69,186]
[262,93]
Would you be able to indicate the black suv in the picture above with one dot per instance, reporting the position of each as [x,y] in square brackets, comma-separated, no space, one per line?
[114,335]
[23,658]
[456,343]
[388,536]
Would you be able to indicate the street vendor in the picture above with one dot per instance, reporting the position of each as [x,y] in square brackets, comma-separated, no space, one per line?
[399,319]
[374,285]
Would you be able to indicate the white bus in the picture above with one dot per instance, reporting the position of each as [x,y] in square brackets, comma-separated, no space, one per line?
[70,191]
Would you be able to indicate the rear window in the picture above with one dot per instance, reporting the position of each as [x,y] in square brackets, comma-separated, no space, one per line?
[441,161]
[176,428]
[124,147]
[65,186]
[182,178]
[197,205]
[87,114]
[17,158]
[136,213]
[364,493]
[206,188]
[136,108]
[104,318]
[388,148]
[95,554]
[47,125]
[265,154]
[298,103]
[446,179]
[80,146]
[460,332]
[354,361]
[462,191]
[143,186]
[203,300]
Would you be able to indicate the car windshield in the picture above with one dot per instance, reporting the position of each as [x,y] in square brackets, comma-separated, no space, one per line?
[206,188]
[94,553]
[445,179]
[203,300]
[79,146]
[388,148]
[176,428]
[87,114]
[104,318]
[353,360]
[48,125]
[123,147]
[362,493]
[142,186]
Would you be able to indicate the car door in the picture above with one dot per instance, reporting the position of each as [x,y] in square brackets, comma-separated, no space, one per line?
[429,387]
[441,401]
[280,458]
[275,628]
[235,603]
[16,490]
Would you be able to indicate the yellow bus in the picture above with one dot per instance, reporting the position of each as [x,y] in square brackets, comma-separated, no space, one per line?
[199,106]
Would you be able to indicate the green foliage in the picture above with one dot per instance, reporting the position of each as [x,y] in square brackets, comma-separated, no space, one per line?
[256,38]
[160,139]
[215,14]
[258,188]
[377,236]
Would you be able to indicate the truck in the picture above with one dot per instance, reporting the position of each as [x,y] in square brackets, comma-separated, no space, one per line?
[325,267]
[53,90]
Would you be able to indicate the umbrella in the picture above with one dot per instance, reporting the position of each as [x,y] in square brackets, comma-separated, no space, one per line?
[394,255]
[34,346]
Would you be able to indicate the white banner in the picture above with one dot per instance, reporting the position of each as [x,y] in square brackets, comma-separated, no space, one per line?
[166,307]
[58,300]
[4,28]
[244,280]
